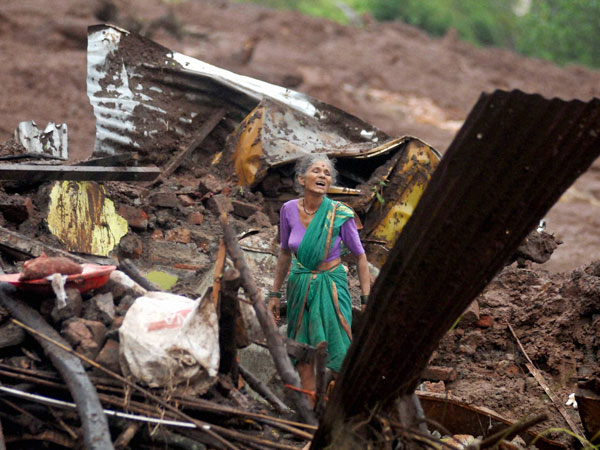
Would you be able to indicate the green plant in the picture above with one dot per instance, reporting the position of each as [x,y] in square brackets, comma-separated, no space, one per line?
[377,188]
[562,31]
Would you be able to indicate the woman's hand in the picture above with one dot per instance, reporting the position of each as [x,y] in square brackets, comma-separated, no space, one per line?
[274,307]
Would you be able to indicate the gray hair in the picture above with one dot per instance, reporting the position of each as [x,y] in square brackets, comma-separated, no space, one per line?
[305,163]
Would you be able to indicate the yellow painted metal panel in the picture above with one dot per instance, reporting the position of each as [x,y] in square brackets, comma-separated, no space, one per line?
[398,214]
[404,185]
[83,218]
[248,151]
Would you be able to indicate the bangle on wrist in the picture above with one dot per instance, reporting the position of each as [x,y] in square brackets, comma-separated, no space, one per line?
[274,294]
[364,298]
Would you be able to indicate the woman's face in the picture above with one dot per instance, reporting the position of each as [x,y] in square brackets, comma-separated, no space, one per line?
[317,178]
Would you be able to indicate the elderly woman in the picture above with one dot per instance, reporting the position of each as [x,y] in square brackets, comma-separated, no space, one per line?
[313,229]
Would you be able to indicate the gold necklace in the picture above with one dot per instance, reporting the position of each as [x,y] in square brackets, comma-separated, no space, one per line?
[311,213]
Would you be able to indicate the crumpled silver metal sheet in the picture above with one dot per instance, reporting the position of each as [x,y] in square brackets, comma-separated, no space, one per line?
[149,99]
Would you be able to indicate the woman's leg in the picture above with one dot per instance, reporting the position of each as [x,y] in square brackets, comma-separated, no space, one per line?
[308,379]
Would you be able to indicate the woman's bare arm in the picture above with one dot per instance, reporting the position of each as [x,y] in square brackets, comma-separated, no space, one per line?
[363,274]
[283,266]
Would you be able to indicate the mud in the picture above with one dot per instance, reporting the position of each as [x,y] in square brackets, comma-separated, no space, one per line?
[390,75]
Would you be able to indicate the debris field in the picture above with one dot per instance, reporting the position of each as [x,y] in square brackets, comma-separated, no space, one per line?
[151,198]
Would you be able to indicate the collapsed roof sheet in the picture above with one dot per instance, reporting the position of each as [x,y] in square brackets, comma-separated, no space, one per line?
[149,99]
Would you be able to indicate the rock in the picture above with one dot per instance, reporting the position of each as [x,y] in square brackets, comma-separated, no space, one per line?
[131,246]
[73,308]
[244,209]
[88,348]
[186,200]
[258,360]
[471,315]
[179,234]
[260,220]
[16,208]
[439,387]
[221,203]
[204,240]
[100,307]
[11,334]
[120,284]
[163,199]
[124,304]
[169,253]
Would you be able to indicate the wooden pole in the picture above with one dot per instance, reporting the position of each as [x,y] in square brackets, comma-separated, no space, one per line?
[260,387]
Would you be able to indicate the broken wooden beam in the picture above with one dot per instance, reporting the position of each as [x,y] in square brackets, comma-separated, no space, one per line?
[96,434]
[25,247]
[321,378]
[510,162]
[109,161]
[297,350]
[40,173]
[199,136]
[229,315]
[260,387]
[274,339]
[127,267]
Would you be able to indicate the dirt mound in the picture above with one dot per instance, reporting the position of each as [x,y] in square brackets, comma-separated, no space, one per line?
[555,317]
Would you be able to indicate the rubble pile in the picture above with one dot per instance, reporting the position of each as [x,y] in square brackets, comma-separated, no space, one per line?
[191,160]
[169,233]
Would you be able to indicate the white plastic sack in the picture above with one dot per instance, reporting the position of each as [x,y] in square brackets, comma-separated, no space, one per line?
[168,339]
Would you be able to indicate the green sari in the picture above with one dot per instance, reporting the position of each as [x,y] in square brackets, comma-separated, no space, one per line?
[319,304]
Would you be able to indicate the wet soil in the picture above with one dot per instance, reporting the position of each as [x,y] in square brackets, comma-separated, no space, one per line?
[390,75]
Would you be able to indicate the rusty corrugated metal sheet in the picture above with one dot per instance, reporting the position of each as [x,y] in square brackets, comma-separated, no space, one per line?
[149,99]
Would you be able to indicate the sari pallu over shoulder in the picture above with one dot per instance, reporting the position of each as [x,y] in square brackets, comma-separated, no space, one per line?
[319,304]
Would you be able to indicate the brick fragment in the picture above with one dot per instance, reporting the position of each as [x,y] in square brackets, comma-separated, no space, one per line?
[484,321]
[98,330]
[109,356]
[75,331]
[210,183]
[196,218]
[100,307]
[439,373]
[186,200]
[244,209]
[135,217]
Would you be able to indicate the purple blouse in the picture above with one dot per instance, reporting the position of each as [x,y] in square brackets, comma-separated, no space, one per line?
[292,232]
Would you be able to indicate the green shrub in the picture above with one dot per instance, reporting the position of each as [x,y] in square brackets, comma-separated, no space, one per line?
[563,31]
